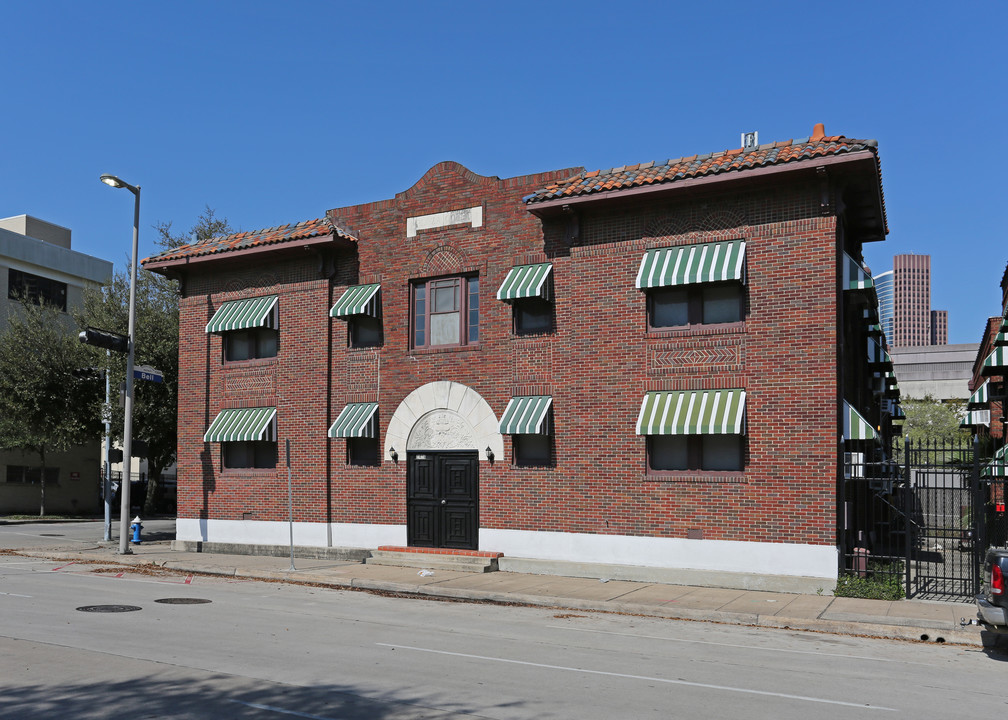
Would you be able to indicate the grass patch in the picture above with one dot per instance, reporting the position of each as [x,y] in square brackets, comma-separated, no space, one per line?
[883,581]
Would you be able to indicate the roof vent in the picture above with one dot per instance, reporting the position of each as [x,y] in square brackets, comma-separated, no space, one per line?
[818,132]
[750,140]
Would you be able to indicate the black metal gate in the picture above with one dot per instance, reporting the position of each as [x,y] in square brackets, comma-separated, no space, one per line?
[915,519]
[942,509]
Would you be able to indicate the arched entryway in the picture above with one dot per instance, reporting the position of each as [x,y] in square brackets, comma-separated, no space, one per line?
[445,428]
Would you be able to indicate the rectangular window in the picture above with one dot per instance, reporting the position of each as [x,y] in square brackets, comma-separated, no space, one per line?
[250,344]
[532,316]
[362,451]
[532,450]
[365,331]
[27,475]
[36,289]
[254,454]
[699,304]
[446,312]
[685,453]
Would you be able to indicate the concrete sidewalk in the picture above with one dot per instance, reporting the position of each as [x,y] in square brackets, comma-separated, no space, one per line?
[903,619]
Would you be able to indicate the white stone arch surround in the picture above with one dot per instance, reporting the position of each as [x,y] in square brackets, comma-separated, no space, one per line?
[444,415]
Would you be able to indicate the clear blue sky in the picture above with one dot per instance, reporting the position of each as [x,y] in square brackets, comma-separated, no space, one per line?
[275,112]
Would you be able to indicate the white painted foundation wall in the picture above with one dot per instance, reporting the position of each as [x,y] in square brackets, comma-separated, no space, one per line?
[751,558]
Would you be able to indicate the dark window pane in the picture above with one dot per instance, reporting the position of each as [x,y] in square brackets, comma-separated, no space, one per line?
[259,454]
[722,452]
[266,342]
[532,450]
[365,331]
[362,451]
[668,452]
[722,303]
[669,307]
[236,455]
[473,300]
[419,316]
[250,344]
[36,289]
[237,346]
[533,316]
[265,454]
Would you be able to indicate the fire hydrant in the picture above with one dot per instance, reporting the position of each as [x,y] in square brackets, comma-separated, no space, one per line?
[136,527]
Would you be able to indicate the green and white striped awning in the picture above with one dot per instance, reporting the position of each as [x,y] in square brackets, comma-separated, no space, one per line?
[877,354]
[527,415]
[692,412]
[688,264]
[980,396]
[998,466]
[358,300]
[855,427]
[243,425]
[526,281]
[244,314]
[897,412]
[996,362]
[1001,338]
[357,420]
[854,275]
[975,418]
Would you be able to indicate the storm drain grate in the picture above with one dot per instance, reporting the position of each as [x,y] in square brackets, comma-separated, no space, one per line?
[109,608]
[51,535]
[183,601]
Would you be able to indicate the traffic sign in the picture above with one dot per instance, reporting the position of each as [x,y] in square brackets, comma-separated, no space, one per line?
[146,372]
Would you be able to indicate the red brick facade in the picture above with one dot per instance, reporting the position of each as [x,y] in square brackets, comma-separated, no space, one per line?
[597,364]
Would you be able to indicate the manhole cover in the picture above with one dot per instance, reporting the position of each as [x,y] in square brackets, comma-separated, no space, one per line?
[109,608]
[183,601]
[50,535]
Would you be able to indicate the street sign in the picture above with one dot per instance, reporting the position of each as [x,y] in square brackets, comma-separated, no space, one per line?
[146,372]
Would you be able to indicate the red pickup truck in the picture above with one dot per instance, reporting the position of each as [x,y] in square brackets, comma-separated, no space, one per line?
[992,602]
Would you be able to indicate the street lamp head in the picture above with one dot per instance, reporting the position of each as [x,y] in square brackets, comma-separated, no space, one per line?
[113,181]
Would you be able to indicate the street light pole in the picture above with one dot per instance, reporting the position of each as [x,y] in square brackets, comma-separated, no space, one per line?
[124,490]
[107,479]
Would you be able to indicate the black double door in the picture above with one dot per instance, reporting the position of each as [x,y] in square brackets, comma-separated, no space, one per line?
[442,508]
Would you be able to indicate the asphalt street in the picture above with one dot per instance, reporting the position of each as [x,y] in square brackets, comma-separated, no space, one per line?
[274,650]
[68,534]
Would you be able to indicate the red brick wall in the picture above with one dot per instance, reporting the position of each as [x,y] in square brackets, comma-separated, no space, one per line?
[597,365]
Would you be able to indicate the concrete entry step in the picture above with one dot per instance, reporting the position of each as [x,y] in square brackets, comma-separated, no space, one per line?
[436,558]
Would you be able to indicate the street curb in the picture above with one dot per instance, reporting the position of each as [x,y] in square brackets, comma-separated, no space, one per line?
[899,629]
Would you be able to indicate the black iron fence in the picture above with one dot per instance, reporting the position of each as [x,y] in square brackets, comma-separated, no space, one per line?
[916,521]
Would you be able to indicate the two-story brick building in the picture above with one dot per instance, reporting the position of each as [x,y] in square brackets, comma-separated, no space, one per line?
[651,366]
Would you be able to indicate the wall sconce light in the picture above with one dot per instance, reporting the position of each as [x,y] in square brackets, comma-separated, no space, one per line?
[489,454]
[393,454]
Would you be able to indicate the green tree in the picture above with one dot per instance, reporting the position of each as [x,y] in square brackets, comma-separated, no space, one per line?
[45,406]
[930,420]
[155,405]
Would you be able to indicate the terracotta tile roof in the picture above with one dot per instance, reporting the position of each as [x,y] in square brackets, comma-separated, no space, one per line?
[254,238]
[668,171]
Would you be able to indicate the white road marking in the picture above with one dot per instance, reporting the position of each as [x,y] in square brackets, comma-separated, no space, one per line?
[646,678]
[731,645]
[15,595]
[295,713]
